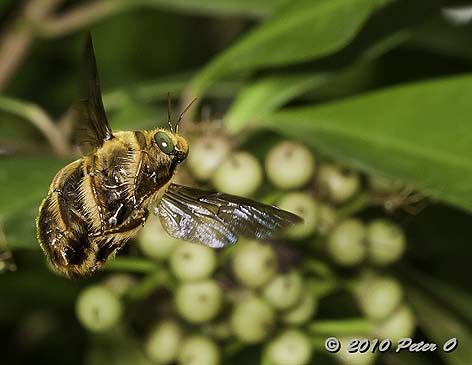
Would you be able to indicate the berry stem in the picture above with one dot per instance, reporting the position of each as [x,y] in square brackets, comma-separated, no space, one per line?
[143,289]
[361,202]
[131,264]
[341,327]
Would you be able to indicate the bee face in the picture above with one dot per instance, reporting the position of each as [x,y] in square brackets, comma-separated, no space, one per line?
[171,144]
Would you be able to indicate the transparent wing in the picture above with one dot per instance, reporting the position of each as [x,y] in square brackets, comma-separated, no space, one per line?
[92,128]
[216,219]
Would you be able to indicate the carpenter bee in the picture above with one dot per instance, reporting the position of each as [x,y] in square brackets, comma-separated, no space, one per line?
[96,203]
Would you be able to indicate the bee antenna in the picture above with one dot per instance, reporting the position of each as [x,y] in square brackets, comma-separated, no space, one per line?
[182,114]
[169,111]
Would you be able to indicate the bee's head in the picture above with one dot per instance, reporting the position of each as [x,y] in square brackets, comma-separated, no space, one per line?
[171,144]
[169,141]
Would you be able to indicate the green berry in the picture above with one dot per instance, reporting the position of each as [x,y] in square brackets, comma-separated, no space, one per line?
[240,174]
[289,165]
[154,242]
[291,347]
[208,152]
[199,350]
[400,324]
[120,283]
[378,297]
[385,242]
[338,185]
[191,261]
[254,264]
[164,342]
[327,218]
[304,206]
[199,301]
[284,290]
[346,242]
[98,308]
[355,358]
[252,319]
[303,311]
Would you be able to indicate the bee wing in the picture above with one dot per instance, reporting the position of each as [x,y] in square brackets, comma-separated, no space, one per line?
[216,219]
[92,128]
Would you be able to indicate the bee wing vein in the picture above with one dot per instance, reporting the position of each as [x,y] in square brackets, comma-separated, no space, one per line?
[215,219]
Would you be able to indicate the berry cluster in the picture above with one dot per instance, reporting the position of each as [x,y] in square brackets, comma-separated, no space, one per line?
[268,294]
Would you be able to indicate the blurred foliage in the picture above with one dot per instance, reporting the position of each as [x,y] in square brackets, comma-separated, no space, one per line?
[381,86]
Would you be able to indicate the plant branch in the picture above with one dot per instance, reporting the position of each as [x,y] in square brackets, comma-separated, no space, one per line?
[40,119]
[17,37]
[81,16]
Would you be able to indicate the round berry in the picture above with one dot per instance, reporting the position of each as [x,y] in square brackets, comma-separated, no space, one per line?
[240,174]
[346,242]
[303,311]
[154,242]
[355,358]
[400,324]
[252,319]
[327,218]
[198,301]
[120,283]
[304,206]
[289,165]
[190,261]
[385,242]
[254,264]
[199,350]
[284,290]
[378,297]
[164,342]
[98,309]
[291,347]
[338,185]
[208,152]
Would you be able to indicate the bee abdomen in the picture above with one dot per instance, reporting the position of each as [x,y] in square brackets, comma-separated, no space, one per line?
[64,247]
[62,224]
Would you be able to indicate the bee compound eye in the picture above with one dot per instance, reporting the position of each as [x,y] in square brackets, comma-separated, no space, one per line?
[164,142]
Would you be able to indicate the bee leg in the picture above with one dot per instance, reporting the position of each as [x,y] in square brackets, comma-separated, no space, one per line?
[136,219]
[91,175]
[136,179]
[106,250]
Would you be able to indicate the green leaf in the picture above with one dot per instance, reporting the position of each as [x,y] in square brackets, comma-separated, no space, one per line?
[419,134]
[299,32]
[25,182]
[438,36]
[457,299]
[266,95]
[441,324]
[252,8]
[134,115]
[19,228]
